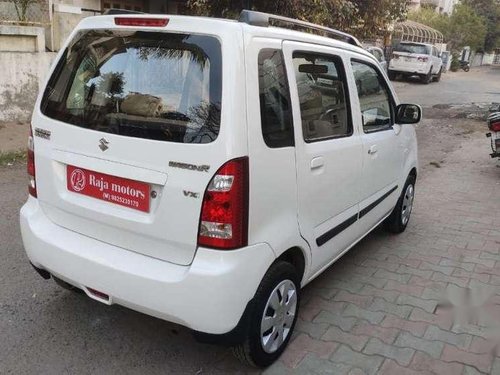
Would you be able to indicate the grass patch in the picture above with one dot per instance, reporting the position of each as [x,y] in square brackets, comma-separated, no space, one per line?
[12,157]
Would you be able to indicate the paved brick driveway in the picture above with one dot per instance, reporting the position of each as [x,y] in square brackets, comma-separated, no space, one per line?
[426,301]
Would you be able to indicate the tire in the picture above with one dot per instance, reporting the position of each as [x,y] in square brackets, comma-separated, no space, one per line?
[252,350]
[467,68]
[438,77]
[427,78]
[400,216]
[65,285]
[392,75]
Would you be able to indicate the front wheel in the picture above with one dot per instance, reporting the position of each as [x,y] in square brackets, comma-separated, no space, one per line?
[392,75]
[400,216]
[273,317]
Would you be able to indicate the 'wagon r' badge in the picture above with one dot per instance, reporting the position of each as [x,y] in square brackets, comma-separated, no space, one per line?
[103,144]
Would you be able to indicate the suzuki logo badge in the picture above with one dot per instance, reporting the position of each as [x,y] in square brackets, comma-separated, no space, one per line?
[103,144]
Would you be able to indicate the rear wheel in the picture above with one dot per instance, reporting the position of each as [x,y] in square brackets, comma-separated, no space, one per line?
[400,216]
[428,77]
[438,77]
[273,318]
[392,75]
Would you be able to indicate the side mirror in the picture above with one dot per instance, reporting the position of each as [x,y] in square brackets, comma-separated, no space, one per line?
[408,114]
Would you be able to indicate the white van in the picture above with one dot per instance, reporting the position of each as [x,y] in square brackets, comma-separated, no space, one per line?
[203,171]
[416,59]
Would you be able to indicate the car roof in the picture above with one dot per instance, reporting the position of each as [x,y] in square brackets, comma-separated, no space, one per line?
[200,24]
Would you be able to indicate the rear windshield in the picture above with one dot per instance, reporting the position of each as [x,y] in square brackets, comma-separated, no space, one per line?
[152,85]
[413,48]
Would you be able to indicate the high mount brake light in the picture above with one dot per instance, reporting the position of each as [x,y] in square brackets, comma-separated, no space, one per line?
[224,212]
[139,21]
[31,165]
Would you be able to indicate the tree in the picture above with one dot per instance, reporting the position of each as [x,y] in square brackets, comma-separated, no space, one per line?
[490,11]
[464,27]
[22,7]
[364,18]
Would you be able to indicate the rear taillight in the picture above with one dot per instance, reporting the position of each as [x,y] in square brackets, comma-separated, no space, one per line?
[495,126]
[138,21]
[224,212]
[423,59]
[31,165]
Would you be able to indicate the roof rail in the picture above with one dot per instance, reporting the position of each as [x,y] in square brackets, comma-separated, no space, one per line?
[265,20]
[114,11]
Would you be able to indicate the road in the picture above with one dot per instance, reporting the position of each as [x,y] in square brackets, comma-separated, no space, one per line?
[480,85]
[375,311]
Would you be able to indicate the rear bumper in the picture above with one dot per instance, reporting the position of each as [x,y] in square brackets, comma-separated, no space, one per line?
[409,70]
[208,296]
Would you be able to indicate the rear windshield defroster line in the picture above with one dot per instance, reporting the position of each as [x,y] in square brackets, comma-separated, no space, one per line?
[151,85]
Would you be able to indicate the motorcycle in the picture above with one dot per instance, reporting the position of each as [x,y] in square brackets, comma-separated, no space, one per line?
[464,65]
[494,134]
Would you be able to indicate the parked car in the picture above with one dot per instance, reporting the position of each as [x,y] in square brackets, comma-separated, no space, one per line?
[203,171]
[379,55]
[494,134]
[416,59]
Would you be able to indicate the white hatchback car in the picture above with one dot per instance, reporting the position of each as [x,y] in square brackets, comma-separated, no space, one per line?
[202,171]
[420,59]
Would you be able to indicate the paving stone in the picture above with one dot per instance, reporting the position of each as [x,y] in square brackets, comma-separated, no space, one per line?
[425,304]
[414,290]
[406,340]
[461,341]
[302,345]
[391,367]
[338,320]
[481,345]
[387,275]
[357,312]
[434,294]
[457,264]
[367,363]
[414,271]
[482,362]
[312,364]
[444,321]
[426,363]
[437,268]
[460,281]
[355,342]
[388,295]
[315,330]
[401,355]
[357,299]
[381,264]
[416,328]
[390,308]
[387,335]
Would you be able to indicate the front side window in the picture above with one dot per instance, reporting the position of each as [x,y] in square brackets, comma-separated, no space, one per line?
[275,109]
[374,97]
[322,94]
[151,85]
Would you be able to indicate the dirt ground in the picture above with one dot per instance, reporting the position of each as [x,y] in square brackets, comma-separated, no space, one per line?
[13,136]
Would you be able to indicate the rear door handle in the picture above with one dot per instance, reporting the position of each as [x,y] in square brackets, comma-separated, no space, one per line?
[372,150]
[317,162]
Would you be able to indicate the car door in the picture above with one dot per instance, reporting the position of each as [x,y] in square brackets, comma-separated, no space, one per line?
[328,150]
[373,110]
[437,62]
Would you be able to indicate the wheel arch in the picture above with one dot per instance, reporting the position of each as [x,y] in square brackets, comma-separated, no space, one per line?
[297,258]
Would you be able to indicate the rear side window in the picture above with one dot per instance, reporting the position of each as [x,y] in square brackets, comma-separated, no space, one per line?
[277,128]
[152,85]
[323,96]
